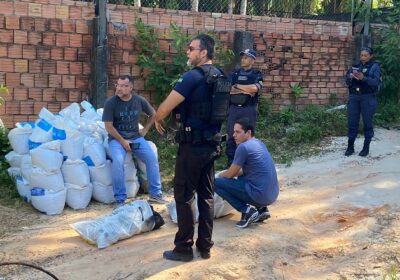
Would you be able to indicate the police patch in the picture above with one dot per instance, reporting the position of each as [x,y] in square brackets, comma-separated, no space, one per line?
[179,80]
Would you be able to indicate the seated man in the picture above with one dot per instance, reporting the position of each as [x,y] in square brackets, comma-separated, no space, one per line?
[121,118]
[256,185]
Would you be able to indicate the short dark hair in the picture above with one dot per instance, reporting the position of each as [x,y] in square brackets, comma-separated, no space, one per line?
[368,50]
[246,125]
[206,43]
[124,77]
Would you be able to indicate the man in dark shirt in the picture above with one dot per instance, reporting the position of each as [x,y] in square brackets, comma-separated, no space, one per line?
[121,117]
[246,83]
[194,169]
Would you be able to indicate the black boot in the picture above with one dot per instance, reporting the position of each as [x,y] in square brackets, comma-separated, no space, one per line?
[350,147]
[365,150]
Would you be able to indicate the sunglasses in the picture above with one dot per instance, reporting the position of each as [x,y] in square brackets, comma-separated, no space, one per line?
[190,48]
[123,86]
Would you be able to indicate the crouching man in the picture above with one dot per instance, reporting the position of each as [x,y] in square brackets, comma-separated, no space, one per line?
[256,185]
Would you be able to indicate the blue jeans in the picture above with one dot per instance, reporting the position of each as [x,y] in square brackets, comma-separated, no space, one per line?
[142,152]
[234,191]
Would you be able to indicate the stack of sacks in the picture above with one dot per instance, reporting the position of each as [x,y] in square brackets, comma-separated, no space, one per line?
[141,166]
[61,158]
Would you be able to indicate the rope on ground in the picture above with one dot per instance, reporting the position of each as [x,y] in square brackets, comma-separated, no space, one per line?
[30,265]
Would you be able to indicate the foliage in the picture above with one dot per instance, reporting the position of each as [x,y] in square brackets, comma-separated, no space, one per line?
[3,89]
[387,114]
[391,274]
[297,91]
[387,52]
[163,73]
[9,194]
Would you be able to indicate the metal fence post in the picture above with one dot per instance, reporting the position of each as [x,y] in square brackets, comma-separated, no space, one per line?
[99,79]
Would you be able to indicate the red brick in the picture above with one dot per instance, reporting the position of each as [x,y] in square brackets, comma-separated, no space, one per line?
[75,12]
[82,27]
[13,107]
[6,8]
[82,82]
[75,68]
[62,39]
[49,38]
[55,25]
[61,94]
[26,109]
[68,81]
[29,51]
[54,107]
[15,51]
[62,67]
[49,94]
[74,96]
[87,41]
[6,65]
[88,13]
[13,79]
[2,21]
[3,50]
[70,54]
[41,24]
[28,80]
[49,11]
[6,36]
[21,65]
[57,53]
[12,22]
[27,23]
[20,94]
[41,80]
[86,68]
[36,94]
[35,66]
[55,81]
[21,9]
[20,37]
[49,66]
[75,40]
[43,52]
[83,54]
[68,26]
[34,38]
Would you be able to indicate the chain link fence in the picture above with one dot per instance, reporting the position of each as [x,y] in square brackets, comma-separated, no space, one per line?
[333,10]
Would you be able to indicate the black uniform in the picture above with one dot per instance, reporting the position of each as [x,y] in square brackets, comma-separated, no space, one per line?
[194,170]
[241,105]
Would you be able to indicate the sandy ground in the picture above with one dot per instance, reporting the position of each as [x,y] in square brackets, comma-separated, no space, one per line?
[336,218]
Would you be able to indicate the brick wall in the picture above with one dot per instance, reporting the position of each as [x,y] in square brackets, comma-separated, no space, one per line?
[45,48]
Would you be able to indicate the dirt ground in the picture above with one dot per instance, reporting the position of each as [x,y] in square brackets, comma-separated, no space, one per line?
[336,218]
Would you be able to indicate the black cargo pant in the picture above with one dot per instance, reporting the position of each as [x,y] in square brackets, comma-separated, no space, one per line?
[194,172]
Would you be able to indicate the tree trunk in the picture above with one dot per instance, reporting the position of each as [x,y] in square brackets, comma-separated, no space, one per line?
[137,3]
[195,5]
[231,6]
[243,7]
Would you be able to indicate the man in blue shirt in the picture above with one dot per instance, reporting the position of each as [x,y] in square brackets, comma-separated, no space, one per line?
[246,83]
[256,184]
[194,168]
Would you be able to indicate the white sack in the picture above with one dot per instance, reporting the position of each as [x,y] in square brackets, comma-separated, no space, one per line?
[131,219]
[50,203]
[130,171]
[14,172]
[26,168]
[24,190]
[132,188]
[101,173]
[19,138]
[41,133]
[14,159]
[52,181]
[103,193]
[75,172]
[78,197]
[72,146]
[47,157]
[93,152]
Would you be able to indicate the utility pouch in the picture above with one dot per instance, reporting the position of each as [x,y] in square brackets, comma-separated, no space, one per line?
[239,99]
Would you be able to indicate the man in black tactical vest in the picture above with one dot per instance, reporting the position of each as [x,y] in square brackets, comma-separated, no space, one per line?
[246,83]
[199,139]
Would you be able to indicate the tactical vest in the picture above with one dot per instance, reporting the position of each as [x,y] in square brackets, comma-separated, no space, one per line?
[360,87]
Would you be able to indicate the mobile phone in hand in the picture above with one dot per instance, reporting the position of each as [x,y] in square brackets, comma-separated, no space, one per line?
[134,146]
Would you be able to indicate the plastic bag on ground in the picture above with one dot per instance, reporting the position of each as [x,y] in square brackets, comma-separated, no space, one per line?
[101,173]
[78,197]
[19,139]
[75,172]
[50,203]
[131,219]
[103,193]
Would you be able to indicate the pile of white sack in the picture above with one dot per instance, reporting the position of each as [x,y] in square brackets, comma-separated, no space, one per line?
[62,159]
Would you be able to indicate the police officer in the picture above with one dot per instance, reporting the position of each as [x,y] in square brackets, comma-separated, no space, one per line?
[363,80]
[194,169]
[246,83]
